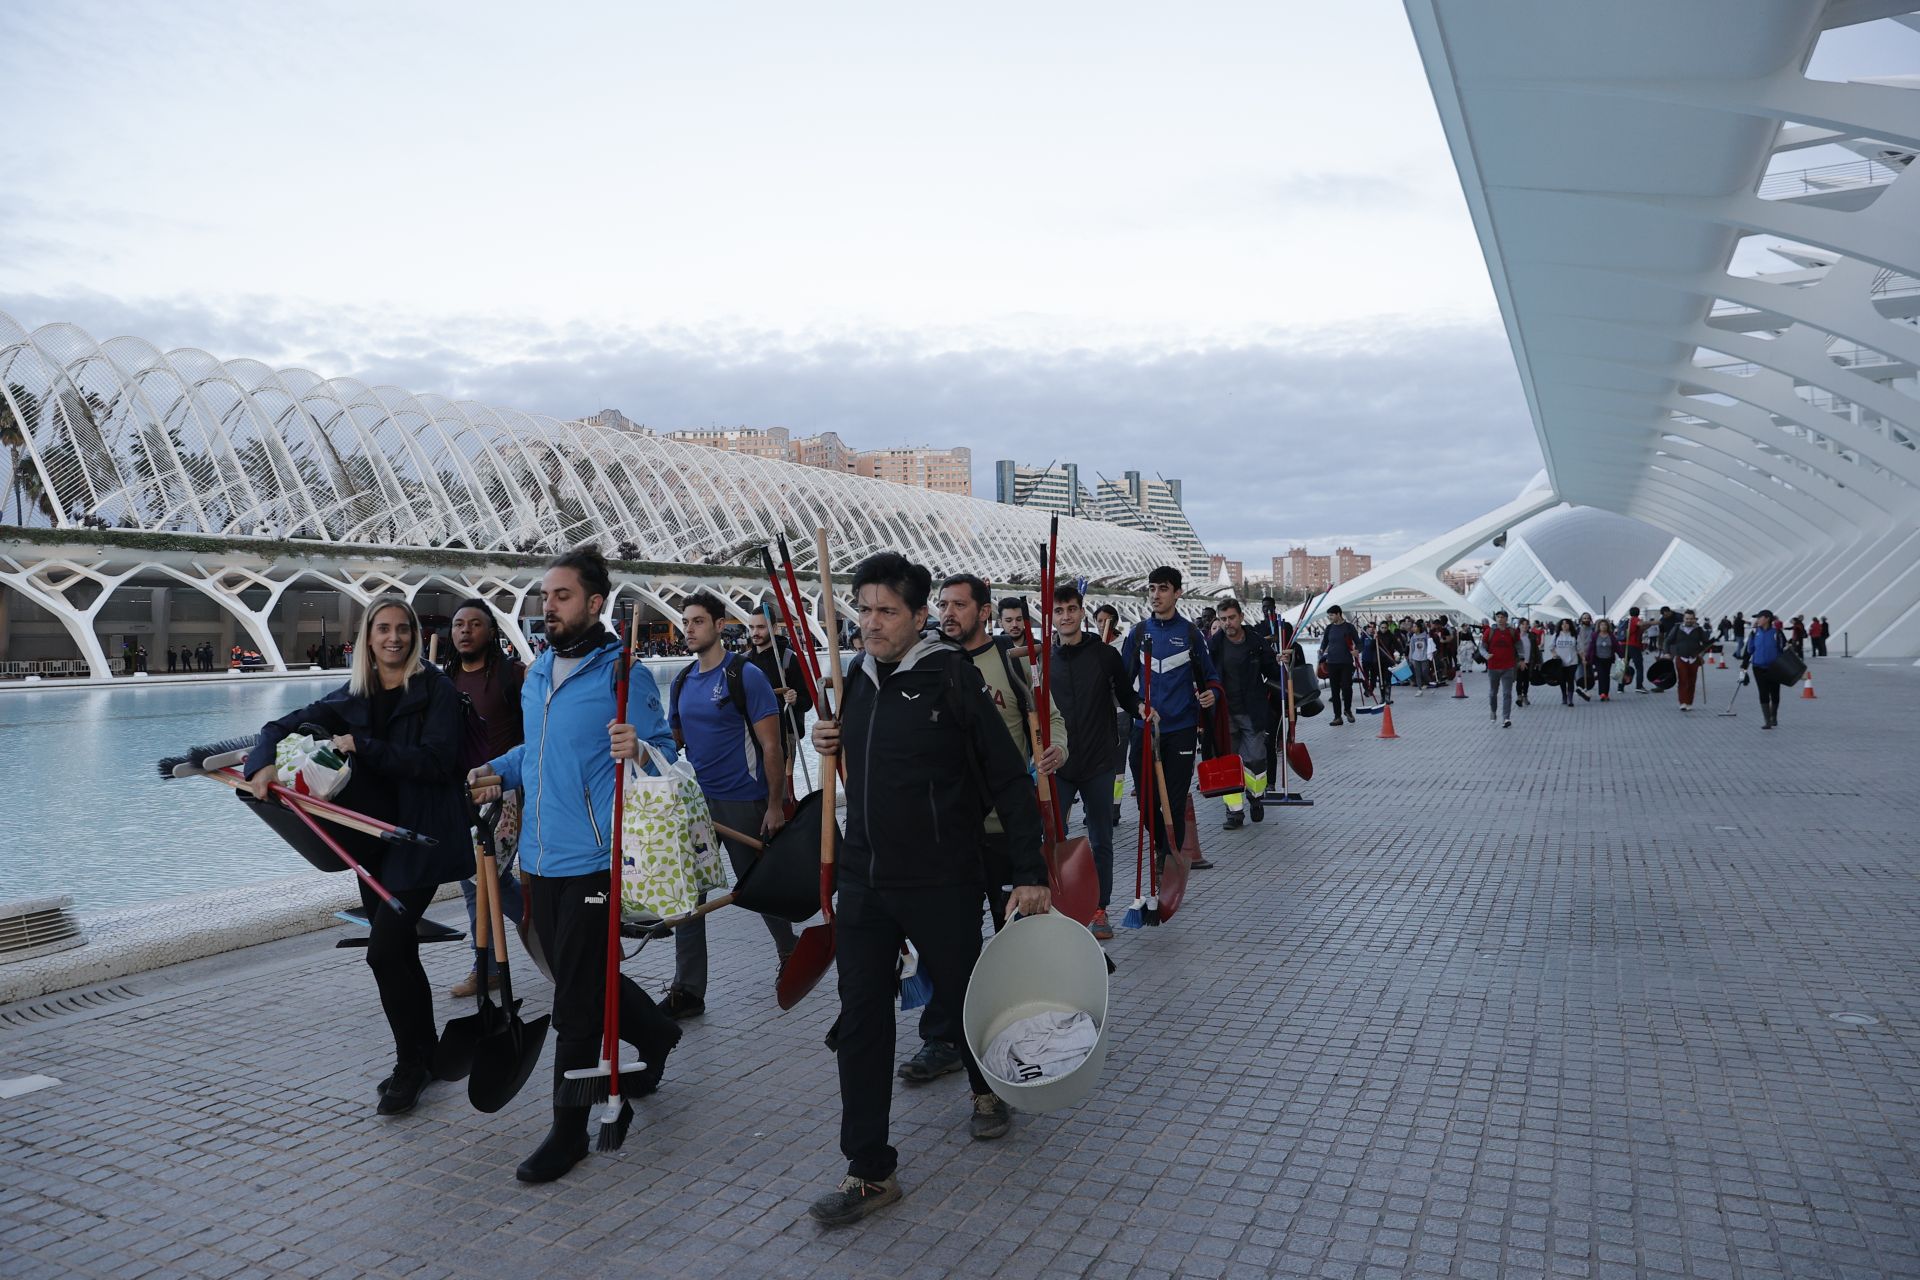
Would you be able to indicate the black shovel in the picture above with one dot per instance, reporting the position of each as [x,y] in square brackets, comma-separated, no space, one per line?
[506,1054]
[453,1059]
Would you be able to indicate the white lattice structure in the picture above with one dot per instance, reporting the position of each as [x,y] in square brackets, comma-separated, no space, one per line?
[181,442]
[1615,157]
[329,483]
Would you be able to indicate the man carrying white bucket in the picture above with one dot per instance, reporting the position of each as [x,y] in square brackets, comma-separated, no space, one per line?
[926,755]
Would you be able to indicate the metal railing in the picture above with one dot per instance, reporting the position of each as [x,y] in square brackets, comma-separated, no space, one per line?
[1827,178]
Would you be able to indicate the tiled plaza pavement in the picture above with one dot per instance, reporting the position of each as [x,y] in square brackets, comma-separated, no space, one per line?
[1555,1000]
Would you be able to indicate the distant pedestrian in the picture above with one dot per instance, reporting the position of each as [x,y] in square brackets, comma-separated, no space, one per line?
[1687,647]
[1339,653]
[1601,651]
[1501,644]
[1564,648]
[1636,652]
[1822,636]
[1420,658]
[1758,656]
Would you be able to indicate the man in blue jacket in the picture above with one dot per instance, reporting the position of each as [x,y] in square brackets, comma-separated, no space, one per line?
[1185,686]
[566,769]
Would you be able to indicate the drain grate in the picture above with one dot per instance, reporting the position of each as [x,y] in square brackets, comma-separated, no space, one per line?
[42,1012]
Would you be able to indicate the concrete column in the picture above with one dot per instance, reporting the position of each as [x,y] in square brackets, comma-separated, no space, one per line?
[162,629]
[6,623]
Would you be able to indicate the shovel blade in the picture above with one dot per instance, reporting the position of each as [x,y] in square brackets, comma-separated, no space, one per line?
[1076,884]
[805,965]
[502,1062]
[453,1056]
[1300,761]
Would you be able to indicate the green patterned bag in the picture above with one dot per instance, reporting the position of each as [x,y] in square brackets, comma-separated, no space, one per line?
[669,853]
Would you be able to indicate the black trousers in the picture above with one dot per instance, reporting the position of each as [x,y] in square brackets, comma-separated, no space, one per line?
[1768,687]
[1177,748]
[940,1019]
[393,953]
[1340,682]
[570,915]
[943,924]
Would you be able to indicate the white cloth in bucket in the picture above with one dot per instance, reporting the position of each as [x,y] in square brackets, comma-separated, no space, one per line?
[1041,1047]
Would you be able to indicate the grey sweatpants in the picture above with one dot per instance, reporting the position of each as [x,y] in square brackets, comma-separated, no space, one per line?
[1499,682]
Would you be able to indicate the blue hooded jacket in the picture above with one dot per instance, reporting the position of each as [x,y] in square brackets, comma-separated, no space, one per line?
[566,818]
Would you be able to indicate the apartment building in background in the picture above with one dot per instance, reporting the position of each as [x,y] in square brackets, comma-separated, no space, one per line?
[1235,571]
[942,470]
[1301,570]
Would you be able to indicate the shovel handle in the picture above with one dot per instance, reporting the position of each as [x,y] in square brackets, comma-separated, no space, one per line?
[728,833]
[829,830]
[482,902]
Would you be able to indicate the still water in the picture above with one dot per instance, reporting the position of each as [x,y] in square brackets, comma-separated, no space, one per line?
[83,810]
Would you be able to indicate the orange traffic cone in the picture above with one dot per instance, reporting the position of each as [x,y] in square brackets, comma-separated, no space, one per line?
[1386,722]
[1806,690]
[1459,685]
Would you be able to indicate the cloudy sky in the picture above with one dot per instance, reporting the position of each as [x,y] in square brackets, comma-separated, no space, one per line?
[1220,241]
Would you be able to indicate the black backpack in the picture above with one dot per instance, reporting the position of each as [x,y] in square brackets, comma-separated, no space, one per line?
[736,678]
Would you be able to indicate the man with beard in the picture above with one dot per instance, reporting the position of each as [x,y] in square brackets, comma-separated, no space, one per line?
[781,666]
[574,747]
[964,603]
[924,753]
[1089,686]
[1013,622]
[490,681]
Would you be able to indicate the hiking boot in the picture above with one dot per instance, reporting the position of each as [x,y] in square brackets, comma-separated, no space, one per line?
[1100,929]
[1235,820]
[1258,807]
[853,1200]
[682,1004]
[991,1118]
[936,1058]
[564,1147]
[468,986]
[401,1091]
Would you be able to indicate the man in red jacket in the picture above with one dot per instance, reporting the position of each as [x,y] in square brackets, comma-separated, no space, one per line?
[1500,642]
[1636,652]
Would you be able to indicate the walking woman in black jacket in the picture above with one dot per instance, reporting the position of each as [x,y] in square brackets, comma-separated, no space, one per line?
[399,721]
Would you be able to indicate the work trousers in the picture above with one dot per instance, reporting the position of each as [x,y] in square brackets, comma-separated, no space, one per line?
[1250,743]
[393,953]
[1096,794]
[1340,682]
[1176,761]
[570,915]
[1500,692]
[1685,674]
[690,939]
[943,923]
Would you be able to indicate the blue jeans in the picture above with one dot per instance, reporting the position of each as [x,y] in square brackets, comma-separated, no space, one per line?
[1096,793]
[510,904]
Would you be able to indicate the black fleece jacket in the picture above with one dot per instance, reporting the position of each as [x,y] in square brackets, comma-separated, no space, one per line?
[927,757]
[1089,682]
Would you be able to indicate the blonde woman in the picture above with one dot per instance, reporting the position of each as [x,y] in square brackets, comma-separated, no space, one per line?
[399,720]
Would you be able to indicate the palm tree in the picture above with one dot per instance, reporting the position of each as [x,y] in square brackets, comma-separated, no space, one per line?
[13,434]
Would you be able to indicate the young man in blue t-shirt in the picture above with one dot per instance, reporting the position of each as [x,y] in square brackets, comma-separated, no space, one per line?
[727,721]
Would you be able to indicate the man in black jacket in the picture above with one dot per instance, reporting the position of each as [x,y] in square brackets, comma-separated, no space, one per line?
[926,757]
[1246,665]
[1089,684]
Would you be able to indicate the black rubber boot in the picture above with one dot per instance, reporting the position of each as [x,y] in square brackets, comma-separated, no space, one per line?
[564,1147]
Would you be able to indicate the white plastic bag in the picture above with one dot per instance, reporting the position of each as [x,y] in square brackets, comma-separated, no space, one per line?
[311,766]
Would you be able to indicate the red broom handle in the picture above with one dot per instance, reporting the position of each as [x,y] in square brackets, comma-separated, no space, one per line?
[333,846]
[1149,763]
[799,613]
[610,1008]
[803,654]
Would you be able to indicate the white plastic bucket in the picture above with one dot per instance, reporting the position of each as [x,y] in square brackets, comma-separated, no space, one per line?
[1038,964]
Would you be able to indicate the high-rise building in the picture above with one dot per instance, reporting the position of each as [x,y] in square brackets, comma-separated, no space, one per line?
[942,470]
[1302,571]
[769,443]
[1349,564]
[1051,488]
[1153,506]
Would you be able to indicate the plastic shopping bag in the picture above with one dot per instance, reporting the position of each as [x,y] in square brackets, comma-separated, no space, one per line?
[311,766]
[669,852]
